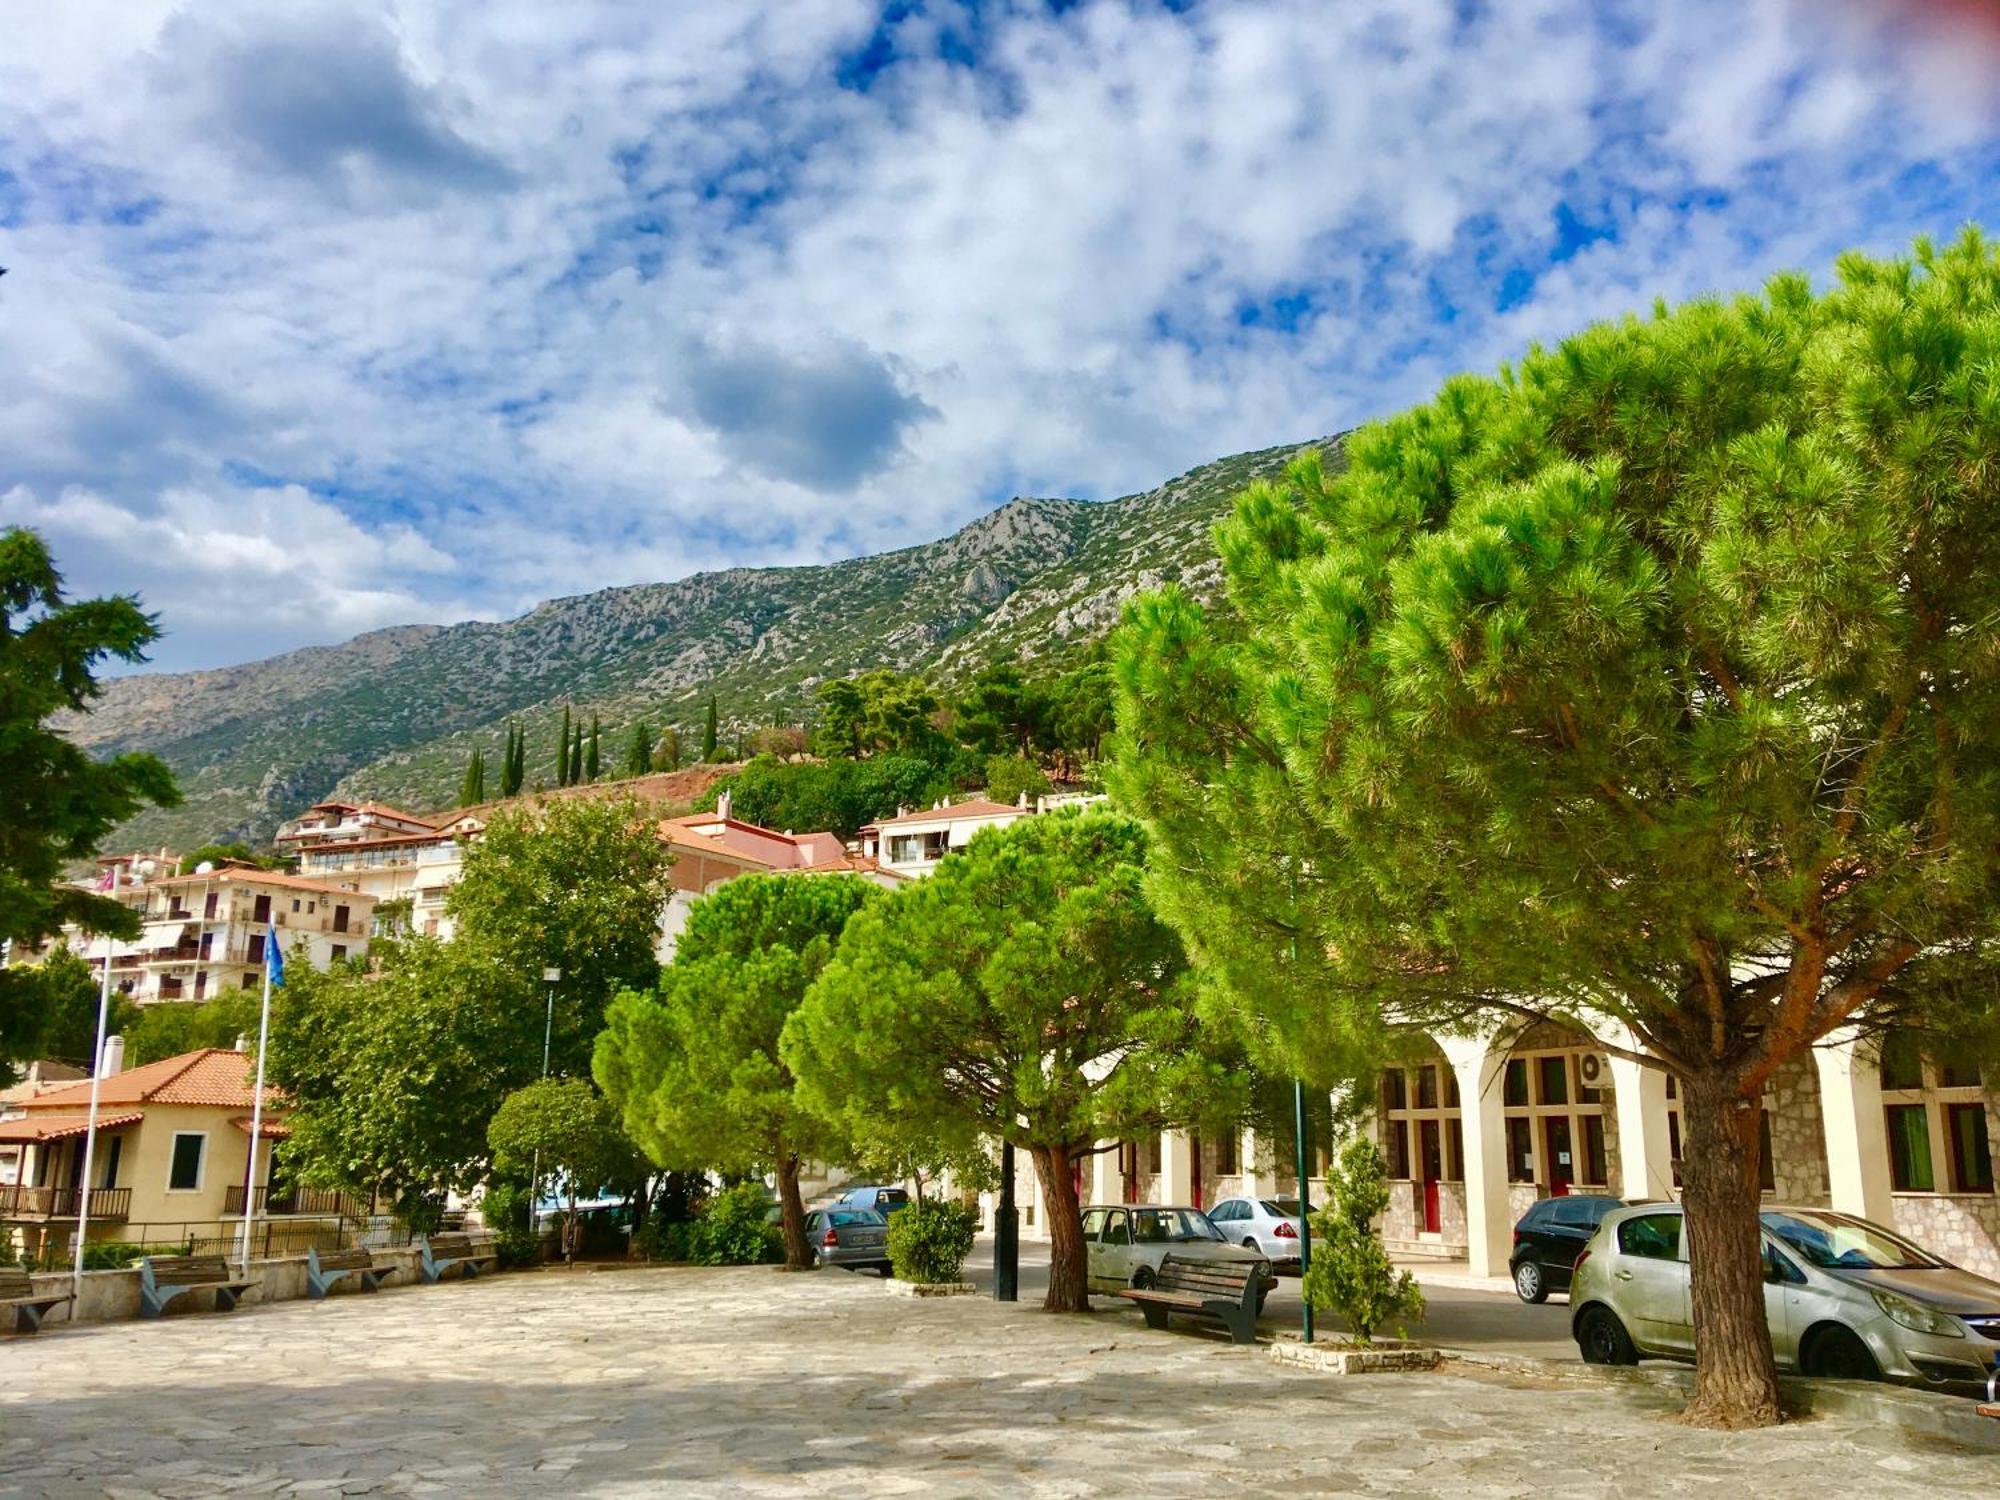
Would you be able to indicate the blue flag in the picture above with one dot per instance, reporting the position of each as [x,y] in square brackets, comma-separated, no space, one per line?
[274,962]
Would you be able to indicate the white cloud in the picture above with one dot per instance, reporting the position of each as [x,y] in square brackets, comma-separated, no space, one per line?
[503,300]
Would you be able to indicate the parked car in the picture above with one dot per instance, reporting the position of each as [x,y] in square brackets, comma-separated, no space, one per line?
[1845,1298]
[884,1200]
[855,1239]
[1270,1226]
[1549,1238]
[1126,1242]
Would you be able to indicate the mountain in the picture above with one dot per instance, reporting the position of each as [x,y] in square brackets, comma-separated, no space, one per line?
[394,714]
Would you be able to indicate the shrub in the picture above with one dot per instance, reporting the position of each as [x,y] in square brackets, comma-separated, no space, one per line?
[734,1229]
[928,1242]
[665,1240]
[505,1210]
[1351,1274]
[117,1255]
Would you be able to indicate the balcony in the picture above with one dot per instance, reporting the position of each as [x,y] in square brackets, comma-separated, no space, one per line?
[325,1202]
[21,1204]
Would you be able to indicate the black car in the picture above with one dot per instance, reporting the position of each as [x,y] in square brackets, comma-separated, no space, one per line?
[1550,1237]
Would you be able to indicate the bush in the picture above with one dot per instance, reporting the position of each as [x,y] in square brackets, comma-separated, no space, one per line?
[117,1255]
[928,1242]
[505,1210]
[665,1240]
[734,1229]
[1351,1274]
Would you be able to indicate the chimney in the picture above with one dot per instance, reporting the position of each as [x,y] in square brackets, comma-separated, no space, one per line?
[1022,801]
[112,1063]
[722,805]
[242,1043]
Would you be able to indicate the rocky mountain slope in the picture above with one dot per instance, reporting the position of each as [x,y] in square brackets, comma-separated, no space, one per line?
[394,714]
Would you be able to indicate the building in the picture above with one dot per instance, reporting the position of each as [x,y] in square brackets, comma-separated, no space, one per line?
[367,847]
[205,934]
[39,1078]
[911,843]
[172,1153]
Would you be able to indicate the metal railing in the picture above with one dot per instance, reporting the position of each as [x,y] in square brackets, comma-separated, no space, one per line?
[295,1200]
[18,1201]
[269,1240]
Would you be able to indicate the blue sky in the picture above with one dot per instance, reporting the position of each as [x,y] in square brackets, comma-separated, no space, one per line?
[325,317]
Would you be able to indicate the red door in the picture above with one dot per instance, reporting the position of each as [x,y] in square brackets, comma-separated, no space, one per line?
[1430,1161]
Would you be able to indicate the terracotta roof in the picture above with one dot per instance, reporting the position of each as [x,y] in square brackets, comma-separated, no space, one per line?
[263,877]
[710,833]
[31,1128]
[978,807]
[269,1129]
[383,808]
[214,1075]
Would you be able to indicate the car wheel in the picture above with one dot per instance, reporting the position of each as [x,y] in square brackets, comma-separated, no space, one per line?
[1263,1297]
[885,1271]
[1251,1244]
[1528,1283]
[1142,1279]
[1602,1339]
[1837,1353]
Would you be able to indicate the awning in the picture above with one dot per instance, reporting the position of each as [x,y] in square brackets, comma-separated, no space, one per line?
[274,1130]
[166,935]
[30,1128]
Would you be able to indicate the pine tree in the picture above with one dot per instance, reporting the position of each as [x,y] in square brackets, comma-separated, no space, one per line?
[667,754]
[592,762]
[562,751]
[639,750]
[473,790]
[708,731]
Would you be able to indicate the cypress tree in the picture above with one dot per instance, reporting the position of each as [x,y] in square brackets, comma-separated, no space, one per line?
[592,762]
[708,731]
[576,757]
[473,789]
[639,750]
[562,751]
[514,769]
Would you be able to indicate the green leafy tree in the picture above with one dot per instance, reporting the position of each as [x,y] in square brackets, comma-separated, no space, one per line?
[156,1031]
[1082,712]
[565,1127]
[59,996]
[1352,1276]
[472,790]
[1008,777]
[876,712]
[639,750]
[839,796]
[1025,992]
[394,1075]
[708,728]
[514,769]
[593,762]
[667,754]
[695,1066]
[1650,688]
[58,802]
[1003,713]
[928,1242]
[563,751]
[217,854]
[571,883]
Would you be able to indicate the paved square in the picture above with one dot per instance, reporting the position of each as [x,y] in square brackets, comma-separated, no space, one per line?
[687,1382]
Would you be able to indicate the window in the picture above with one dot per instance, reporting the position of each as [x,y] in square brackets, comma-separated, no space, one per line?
[1394,1092]
[1651,1237]
[1593,1149]
[1902,1061]
[1909,1148]
[184,1175]
[249,982]
[1971,1159]
[1153,1155]
[339,952]
[260,910]
[1116,1230]
[295,903]
[254,951]
[1557,1134]
[1093,1223]
[1520,1151]
[1552,1073]
[1419,1125]
[1396,1141]
[1427,1087]
[1767,1170]
[1227,1212]
[1229,1154]
[1514,1086]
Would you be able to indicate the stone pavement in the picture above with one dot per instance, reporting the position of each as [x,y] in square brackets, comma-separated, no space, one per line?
[688,1382]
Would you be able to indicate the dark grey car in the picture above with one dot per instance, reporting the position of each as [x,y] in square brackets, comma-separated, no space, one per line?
[856,1239]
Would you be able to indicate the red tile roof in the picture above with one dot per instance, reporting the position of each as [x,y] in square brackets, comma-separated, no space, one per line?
[264,877]
[31,1128]
[214,1075]
[978,807]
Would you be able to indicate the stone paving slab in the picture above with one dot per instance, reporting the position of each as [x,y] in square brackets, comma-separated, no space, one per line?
[698,1383]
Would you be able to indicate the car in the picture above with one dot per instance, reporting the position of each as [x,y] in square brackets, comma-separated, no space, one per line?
[1549,1238]
[884,1200]
[1846,1299]
[855,1239]
[1125,1243]
[1269,1226]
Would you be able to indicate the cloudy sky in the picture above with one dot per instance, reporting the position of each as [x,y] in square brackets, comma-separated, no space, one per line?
[322,317]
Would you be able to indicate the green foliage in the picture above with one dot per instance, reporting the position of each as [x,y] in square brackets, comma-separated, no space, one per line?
[473,789]
[667,754]
[59,801]
[514,765]
[1008,777]
[216,854]
[708,727]
[1351,1275]
[876,712]
[840,796]
[572,883]
[734,1229]
[576,756]
[563,777]
[508,1210]
[118,1255]
[566,1128]
[638,750]
[929,1241]
[592,753]
[57,1001]
[156,1031]
[1003,713]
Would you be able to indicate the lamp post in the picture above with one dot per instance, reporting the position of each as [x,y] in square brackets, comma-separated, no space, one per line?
[1006,1233]
[551,976]
[1305,1207]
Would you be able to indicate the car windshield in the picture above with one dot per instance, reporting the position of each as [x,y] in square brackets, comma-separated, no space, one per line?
[1834,1242]
[1281,1208]
[1171,1226]
[847,1216]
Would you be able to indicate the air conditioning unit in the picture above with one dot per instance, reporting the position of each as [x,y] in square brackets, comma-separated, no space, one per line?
[1593,1070]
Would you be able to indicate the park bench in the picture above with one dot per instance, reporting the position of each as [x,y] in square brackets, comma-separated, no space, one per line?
[448,1252]
[323,1271]
[17,1290]
[165,1277]
[1219,1289]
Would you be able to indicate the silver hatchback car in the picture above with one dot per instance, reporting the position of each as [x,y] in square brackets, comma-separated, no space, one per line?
[1845,1299]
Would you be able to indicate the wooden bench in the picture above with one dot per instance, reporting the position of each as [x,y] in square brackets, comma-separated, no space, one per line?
[1225,1290]
[17,1290]
[322,1271]
[443,1253]
[165,1277]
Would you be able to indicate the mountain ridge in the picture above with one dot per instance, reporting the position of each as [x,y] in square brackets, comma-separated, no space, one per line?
[394,714]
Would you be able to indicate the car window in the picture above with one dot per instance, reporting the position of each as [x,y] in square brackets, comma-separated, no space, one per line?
[812,1221]
[847,1216]
[1576,1213]
[1116,1230]
[1651,1237]
[1227,1212]
[1151,1227]
[1834,1242]
[891,1198]
[1283,1208]
[1194,1225]
[1093,1223]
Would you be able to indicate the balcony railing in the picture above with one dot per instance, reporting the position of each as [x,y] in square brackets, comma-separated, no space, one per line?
[293,1200]
[18,1201]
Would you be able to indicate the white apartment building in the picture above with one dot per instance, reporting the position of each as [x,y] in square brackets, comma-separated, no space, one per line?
[911,843]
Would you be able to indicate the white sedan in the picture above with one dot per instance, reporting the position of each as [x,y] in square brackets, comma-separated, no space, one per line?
[1126,1242]
[1270,1226]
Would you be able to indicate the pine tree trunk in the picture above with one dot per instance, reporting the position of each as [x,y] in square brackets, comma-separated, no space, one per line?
[792,1214]
[1069,1287]
[1736,1379]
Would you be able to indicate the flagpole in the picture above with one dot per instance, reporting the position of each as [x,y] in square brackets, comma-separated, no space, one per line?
[90,1133]
[256,1114]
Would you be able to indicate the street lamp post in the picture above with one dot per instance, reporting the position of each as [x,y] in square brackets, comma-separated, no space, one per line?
[1006,1233]
[1305,1207]
[551,976]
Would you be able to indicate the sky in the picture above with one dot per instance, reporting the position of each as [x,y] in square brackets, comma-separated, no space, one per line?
[322,317]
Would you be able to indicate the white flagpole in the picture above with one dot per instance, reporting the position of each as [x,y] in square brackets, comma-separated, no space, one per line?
[90,1132]
[256,1115]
